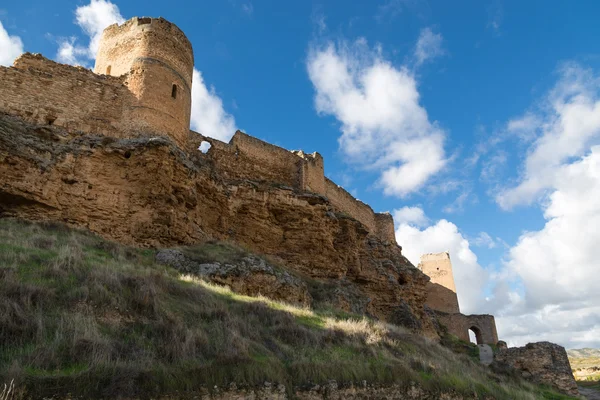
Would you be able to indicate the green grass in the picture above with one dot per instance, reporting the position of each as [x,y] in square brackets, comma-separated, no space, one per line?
[88,318]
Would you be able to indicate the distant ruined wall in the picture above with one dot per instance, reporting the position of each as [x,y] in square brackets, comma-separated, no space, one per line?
[484,326]
[44,92]
[542,363]
[441,290]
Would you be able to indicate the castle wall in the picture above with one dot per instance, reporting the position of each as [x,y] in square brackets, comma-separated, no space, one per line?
[483,325]
[346,203]
[312,172]
[246,157]
[265,161]
[385,226]
[44,92]
[441,291]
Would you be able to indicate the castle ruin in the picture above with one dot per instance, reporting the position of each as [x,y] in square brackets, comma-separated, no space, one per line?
[442,298]
[141,86]
[112,150]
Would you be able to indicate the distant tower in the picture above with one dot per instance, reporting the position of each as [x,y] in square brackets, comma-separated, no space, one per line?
[441,291]
[159,61]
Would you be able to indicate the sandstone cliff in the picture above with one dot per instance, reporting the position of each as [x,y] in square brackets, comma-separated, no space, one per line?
[148,192]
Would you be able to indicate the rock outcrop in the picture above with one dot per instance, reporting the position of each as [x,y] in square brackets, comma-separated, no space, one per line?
[148,192]
[543,363]
[249,275]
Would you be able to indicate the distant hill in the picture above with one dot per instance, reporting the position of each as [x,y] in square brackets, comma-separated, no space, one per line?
[585,364]
[583,353]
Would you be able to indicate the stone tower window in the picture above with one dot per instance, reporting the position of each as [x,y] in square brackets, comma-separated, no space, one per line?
[108,70]
[174,92]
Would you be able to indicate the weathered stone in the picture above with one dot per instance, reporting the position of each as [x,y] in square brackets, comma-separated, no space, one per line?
[543,363]
[250,276]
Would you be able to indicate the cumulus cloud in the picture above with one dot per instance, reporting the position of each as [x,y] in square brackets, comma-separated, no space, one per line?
[470,278]
[558,264]
[382,122]
[553,272]
[565,126]
[208,115]
[410,215]
[92,19]
[429,46]
[10,47]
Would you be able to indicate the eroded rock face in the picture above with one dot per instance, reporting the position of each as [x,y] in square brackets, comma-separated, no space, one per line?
[542,363]
[148,192]
[249,275]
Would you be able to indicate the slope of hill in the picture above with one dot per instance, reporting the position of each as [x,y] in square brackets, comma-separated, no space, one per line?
[81,317]
[583,353]
[585,364]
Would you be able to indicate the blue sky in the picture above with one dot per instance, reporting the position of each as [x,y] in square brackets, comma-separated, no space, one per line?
[473,122]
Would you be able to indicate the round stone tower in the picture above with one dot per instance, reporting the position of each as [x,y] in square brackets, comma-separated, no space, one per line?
[158,60]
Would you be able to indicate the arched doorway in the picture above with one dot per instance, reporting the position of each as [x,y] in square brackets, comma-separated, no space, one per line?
[475,335]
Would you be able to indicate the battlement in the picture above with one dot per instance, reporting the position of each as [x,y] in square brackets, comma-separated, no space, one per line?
[248,158]
[155,23]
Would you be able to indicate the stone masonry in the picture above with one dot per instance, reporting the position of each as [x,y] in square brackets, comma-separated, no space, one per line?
[442,299]
[543,363]
[441,291]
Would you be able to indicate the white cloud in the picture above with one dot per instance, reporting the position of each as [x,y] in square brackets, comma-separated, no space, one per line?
[558,264]
[69,53]
[92,19]
[565,126]
[484,240]
[383,124]
[552,273]
[208,116]
[410,215]
[10,47]
[429,46]
[470,278]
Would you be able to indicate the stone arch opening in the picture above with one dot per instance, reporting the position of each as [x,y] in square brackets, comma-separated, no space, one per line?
[174,91]
[475,335]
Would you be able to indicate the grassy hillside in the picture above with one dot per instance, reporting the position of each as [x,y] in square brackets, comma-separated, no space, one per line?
[86,317]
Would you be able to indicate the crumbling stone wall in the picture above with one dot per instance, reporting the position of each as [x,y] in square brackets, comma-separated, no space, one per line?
[44,92]
[249,158]
[441,291]
[543,363]
[312,172]
[382,226]
[483,325]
